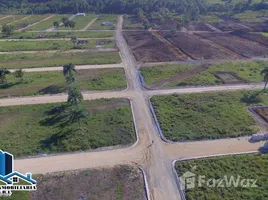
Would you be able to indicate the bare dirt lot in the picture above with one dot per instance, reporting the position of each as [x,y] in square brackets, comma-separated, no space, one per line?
[188,43]
[239,45]
[147,48]
[122,182]
[257,26]
[262,112]
[252,36]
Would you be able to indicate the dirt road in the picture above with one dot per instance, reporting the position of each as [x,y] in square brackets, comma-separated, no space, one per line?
[156,157]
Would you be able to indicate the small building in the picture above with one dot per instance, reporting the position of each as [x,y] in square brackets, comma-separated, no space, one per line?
[107,24]
[80,14]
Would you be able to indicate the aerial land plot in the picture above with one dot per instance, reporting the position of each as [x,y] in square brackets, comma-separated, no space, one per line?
[21,61]
[257,26]
[208,116]
[202,75]
[11,19]
[31,20]
[249,166]
[239,45]
[251,16]
[132,22]
[206,50]
[46,24]
[40,35]
[211,18]
[120,182]
[256,37]
[147,48]
[80,22]
[197,27]
[37,129]
[6,46]
[97,25]
[53,82]
[230,26]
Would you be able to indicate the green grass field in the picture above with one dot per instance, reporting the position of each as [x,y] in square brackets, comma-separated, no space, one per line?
[81,22]
[251,16]
[57,59]
[39,83]
[26,22]
[6,46]
[46,24]
[205,116]
[32,35]
[11,19]
[104,18]
[248,71]
[251,166]
[131,23]
[35,129]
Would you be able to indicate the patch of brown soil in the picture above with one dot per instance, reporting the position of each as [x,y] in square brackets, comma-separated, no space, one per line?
[147,48]
[253,37]
[239,45]
[198,48]
[262,112]
[121,182]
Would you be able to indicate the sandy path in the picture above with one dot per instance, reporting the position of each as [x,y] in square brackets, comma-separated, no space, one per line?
[155,159]
[47,69]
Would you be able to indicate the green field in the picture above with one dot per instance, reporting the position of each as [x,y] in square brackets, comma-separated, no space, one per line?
[211,18]
[39,83]
[31,35]
[47,23]
[6,46]
[251,166]
[104,18]
[248,71]
[265,34]
[81,22]
[12,61]
[36,129]
[26,22]
[251,16]
[206,116]
[130,22]
[11,19]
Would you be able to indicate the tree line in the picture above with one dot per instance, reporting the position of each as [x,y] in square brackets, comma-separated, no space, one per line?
[125,6]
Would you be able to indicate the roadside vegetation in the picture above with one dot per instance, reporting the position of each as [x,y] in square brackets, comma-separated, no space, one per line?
[41,83]
[50,131]
[21,61]
[245,71]
[250,166]
[207,116]
[33,35]
[6,46]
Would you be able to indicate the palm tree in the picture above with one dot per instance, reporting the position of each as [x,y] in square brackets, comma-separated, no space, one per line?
[3,73]
[265,78]
[74,96]
[69,72]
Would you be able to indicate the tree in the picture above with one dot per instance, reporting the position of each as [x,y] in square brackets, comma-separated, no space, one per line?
[76,114]
[265,78]
[75,98]
[56,24]
[3,73]
[64,19]
[19,74]
[69,72]
[8,29]
[73,39]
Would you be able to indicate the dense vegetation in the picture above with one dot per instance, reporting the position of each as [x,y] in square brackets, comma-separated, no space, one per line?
[126,6]
[34,129]
[206,116]
[252,166]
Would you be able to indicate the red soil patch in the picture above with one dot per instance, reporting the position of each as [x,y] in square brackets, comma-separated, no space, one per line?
[147,48]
